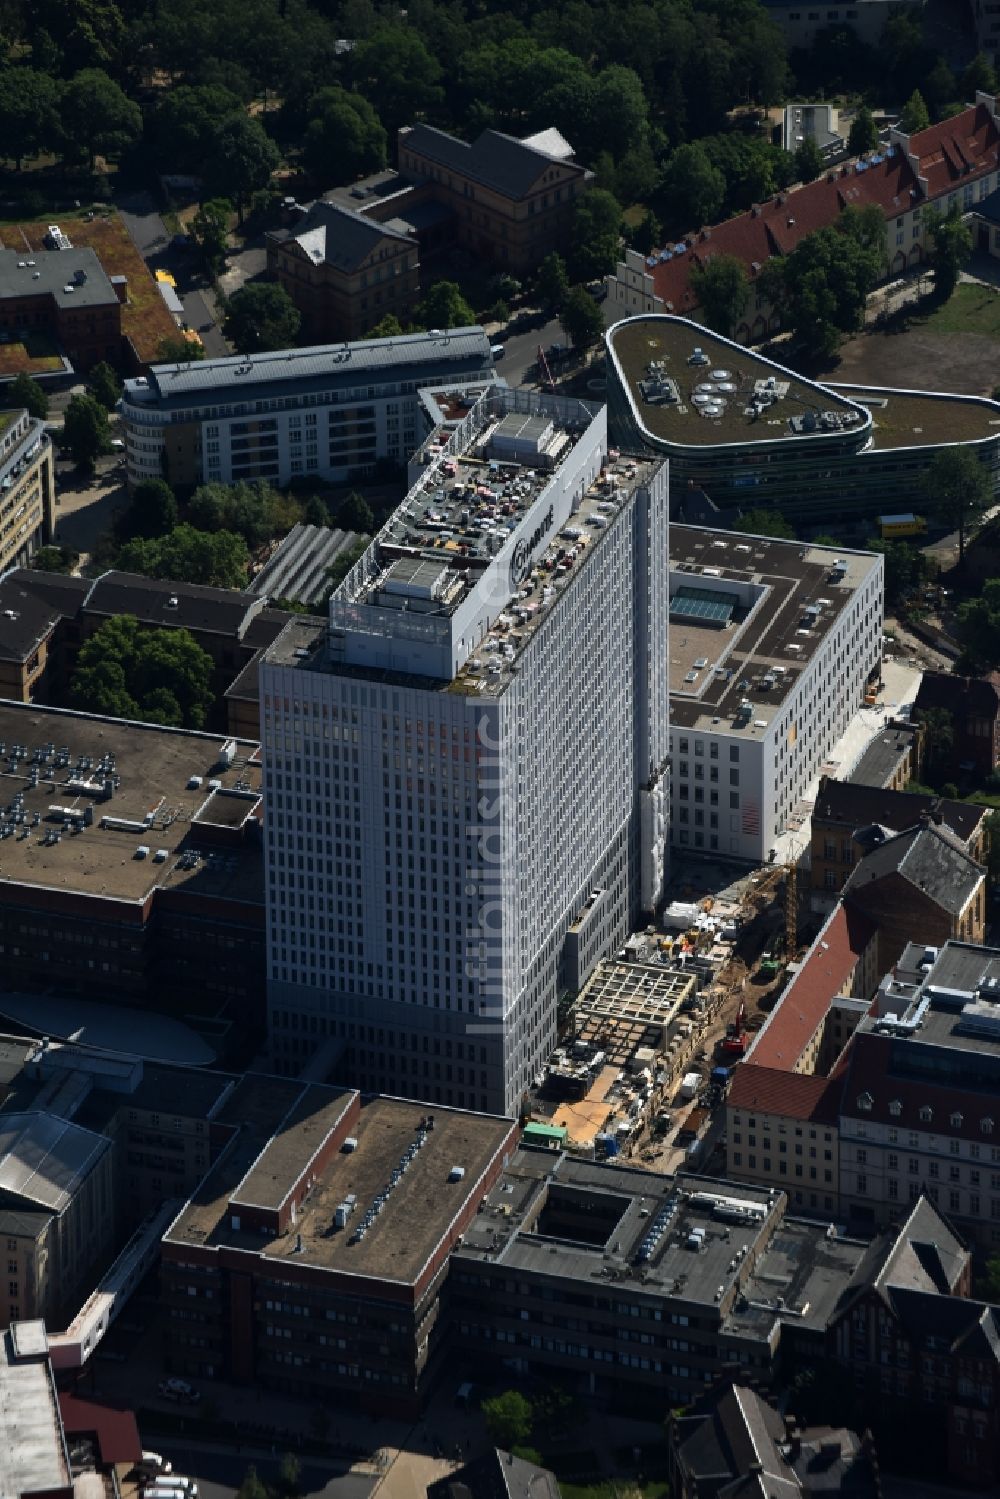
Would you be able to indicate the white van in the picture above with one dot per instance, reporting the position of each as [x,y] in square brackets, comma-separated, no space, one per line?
[174,1487]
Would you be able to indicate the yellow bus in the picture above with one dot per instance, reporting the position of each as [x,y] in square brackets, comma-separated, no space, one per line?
[894,526]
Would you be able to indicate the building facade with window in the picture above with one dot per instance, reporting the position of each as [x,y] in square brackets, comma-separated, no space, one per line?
[332,411]
[918,1111]
[471,752]
[27,488]
[772,646]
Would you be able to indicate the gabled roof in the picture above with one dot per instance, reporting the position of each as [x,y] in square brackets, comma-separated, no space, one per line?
[924,1255]
[827,967]
[30,611]
[160,601]
[498,161]
[930,859]
[964,697]
[731,1430]
[793,1095]
[497,1475]
[852,805]
[331,234]
[955,150]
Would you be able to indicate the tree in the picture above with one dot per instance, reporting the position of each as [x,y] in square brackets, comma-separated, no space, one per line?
[251,1487]
[389,327]
[914,115]
[289,1473]
[344,138]
[445,307]
[190,556]
[936,741]
[508,1419]
[85,430]
[355,514]
[315,512]
[722,292]
[978,629]
[906,567]
[251,508]
[52,559]
[765,522]
[104,385]
[398,73]
[241,160]
[180,349]
[959,491]
[552,281]
[692,190]
[186,121]
[863,134]
[952,240]
[210,227]
[823,284]
[23,391]
[261,316]
[808,160]
[596,235]
[158,676]
[344,561]
[152,511]
[97,116]
[980,75]
[581,318]
[29,113]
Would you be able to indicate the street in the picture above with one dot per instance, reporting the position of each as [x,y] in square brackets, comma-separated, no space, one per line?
[153,242]
[219,1470]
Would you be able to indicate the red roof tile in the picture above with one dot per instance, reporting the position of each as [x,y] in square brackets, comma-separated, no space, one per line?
[794,1095]
[957,150]
[793,1022]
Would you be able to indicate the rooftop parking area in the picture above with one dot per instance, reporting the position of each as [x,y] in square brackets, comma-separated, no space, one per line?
[136,785]
[913,419]
[692,388]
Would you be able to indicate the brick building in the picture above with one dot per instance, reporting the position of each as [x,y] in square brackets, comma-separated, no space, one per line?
[313,1256]
[67,295]
[345,271]
[847,819]
[973,704]
[892,759]
[131,866]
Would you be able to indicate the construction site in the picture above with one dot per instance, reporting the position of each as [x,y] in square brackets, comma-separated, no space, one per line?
[647,1045]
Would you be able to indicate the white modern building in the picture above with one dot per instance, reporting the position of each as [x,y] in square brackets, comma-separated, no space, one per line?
[466,783]
[772,644]
[331,411]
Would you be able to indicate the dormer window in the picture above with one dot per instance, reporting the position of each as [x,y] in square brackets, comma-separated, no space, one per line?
[956,1121]
[865,1102]
[986,1125]
[926,1113]
[895,1108]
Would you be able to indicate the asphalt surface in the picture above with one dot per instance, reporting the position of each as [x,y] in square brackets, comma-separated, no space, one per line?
[153,241]
[220,1470]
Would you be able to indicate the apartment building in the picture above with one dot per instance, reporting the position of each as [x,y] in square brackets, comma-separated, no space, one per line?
[345,271]
[801,22]
[331,411]
[952,164]
[772,645]
[918,1108]
[27,487]
[749,431]
[849,819]
[471,752]
[987,18]
[312,1258]
[67,295]
[511,200]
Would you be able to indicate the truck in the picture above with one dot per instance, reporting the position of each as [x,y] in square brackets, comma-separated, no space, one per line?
[693,1126]
[690,1084]
[892,527]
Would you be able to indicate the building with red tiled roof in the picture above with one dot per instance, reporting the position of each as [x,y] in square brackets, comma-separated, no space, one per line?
[952,164]
[781,1131]
[806,1027]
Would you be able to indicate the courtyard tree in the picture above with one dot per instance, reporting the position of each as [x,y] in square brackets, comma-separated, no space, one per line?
[692,190]
[596,236]
[508,1419]
[210,227]
[823,284]
[261,316]
[85,430]
[863,134]
[958,491]
[722,292]
[552,281]
[152,510]
[126,670]
[808,160]
[104,384]
[23,391]
[445,307]
[581,318]
[914,115]
[344,138]
[241,160]
[952,241]
[98,116]
[191,556]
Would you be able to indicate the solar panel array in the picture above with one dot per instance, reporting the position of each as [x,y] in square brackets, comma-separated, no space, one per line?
[702,603]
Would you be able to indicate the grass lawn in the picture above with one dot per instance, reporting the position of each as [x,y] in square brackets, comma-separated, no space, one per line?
[969,309]
[145,319]
[984,799]
[32,354]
